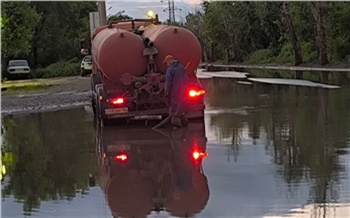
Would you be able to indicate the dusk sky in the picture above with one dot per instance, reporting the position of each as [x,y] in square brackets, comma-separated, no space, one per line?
[139,8]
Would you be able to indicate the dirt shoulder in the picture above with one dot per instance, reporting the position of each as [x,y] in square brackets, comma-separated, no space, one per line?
[59,93]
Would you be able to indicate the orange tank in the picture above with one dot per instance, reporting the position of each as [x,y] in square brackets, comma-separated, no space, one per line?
[115,52]
[177,41]
[130,196]
[124,25]
[190,202]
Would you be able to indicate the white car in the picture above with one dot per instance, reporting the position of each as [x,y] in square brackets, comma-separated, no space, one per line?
[18,68]
[86,65]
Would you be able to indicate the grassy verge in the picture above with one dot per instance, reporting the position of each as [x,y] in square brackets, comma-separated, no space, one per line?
[25,88]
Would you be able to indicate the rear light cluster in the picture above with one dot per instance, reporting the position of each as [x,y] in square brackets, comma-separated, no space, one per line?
[121,157]
[199,155]
[194,92]
[116,101]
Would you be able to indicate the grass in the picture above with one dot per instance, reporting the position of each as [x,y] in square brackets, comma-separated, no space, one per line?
[25,87]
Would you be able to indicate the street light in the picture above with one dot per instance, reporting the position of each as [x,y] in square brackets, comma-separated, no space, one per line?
[150,14]
[109,8]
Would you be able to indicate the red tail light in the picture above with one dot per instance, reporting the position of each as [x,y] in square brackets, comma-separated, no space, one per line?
[117,101]
[121,157]
[194,93]
[197,155]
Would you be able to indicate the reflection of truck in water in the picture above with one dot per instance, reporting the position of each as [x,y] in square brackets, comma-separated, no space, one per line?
[128,70]
[142,170]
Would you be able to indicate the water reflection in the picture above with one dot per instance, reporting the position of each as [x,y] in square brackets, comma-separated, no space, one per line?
[143,171]
[45,158]
[306,130]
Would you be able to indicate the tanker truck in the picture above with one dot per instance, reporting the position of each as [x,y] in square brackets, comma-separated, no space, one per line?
[128,72]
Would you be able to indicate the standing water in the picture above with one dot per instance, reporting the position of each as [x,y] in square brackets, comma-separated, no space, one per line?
[273,151]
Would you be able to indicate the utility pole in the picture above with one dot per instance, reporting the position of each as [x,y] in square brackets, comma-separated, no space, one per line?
[172,11]
[171,8]
[102,12]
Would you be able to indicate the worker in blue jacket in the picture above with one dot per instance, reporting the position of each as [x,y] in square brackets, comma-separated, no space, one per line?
[176,80]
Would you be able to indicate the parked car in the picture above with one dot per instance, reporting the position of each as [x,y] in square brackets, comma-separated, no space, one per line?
[18,68]
[86,65]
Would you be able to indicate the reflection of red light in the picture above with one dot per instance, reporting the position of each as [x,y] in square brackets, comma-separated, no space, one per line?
[121,157]
[117,101]
[198,154]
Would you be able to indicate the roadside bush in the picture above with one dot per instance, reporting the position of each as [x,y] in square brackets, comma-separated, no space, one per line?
[74,60]
[59,69]
[262,56]
[348,59]
[286,55]
[309,53]
[339,49]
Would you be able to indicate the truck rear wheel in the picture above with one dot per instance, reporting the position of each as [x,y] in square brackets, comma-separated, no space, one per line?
[93,104]
[94,81]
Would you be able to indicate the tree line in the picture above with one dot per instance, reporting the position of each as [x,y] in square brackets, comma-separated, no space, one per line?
[44,32]
[273,32]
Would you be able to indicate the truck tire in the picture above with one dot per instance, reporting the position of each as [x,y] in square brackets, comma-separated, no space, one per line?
[93,104]
[94,81]
[96,103]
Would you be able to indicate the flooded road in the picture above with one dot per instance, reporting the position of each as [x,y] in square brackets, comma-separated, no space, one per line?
[272,151]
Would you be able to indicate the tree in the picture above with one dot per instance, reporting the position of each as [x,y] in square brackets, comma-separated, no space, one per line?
[317,9]
[119,16]
[338,31]
[293,37]
[59,30]
[19,20]
[221,32]
[240,28]
[195,23]
[270,18]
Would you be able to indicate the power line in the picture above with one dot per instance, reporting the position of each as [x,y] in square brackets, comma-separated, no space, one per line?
[171,8]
